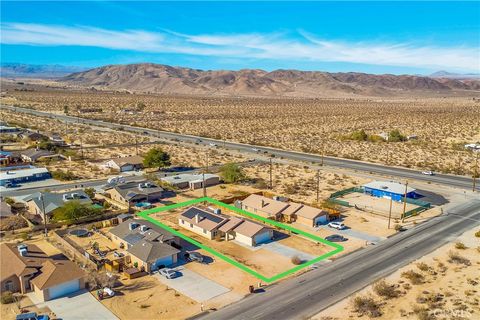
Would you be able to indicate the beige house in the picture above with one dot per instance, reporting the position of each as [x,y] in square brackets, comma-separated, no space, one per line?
[26,268]
[265,207]
[284,211]
[124,164]
[217,226]
[202,222]
[136,191]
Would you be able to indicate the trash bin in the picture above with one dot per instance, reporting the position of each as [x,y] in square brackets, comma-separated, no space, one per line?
[251,289]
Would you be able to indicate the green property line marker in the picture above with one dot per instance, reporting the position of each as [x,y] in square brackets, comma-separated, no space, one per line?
[337,248]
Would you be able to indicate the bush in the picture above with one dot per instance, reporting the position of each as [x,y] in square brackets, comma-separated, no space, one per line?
[458,259]
[460,246]
[359,135]
[63,175]
[296,260]
[477,234]
[385,290]
[7,297]
[423,266]
[414,277]
[232,173]
[396,136]
[422,313]
[366,306]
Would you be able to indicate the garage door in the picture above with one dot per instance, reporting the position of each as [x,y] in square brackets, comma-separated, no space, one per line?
[262,237]
[162,262]
[64,289]
[320,220]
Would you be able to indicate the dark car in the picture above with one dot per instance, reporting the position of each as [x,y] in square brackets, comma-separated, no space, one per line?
[336,238]
[194,256]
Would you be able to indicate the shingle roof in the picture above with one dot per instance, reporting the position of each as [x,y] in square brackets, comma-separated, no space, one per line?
[55,272]
[122,230]
[206,220]
[54,201]
[310,212]
[151,251]
[231,224]
[261,203]
[134,160]
[131,189]
[249,228]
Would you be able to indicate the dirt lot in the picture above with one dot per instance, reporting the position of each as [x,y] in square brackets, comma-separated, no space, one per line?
[148,298]
[104,244]
[9,311]
[444,285]
[381,206]
[312,125]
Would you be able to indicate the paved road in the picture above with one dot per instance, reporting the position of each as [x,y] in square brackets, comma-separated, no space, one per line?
[451,180]
[307,294]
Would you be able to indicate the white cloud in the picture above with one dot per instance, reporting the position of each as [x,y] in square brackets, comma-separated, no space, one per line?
[274,46]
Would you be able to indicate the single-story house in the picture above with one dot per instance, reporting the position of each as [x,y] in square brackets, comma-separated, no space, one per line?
[311,216]
[148,245]
[263,206]
[202,222]
[213,225]
[7,129]
[136,191]
[52,201]
[124,164]
[34,155]
[26,268]
[57,140]
[192,181]
[389,190]
[23,176]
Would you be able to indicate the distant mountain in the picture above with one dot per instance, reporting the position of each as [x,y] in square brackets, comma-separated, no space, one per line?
[449,75]
[158,78]
[19,70]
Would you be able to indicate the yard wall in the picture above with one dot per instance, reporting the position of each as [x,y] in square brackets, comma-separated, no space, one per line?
[72,250]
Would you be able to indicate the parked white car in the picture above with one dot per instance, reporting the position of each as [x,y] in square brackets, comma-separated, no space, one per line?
[212,144]
[337,225]
[428,173]
[168,273]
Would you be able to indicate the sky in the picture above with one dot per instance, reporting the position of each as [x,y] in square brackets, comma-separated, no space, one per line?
[372,37]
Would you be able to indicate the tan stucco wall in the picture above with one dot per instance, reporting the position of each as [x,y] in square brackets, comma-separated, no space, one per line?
[196,229]
[305,221]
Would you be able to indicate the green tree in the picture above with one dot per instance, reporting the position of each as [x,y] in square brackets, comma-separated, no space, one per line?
[46,144]
[232,173]
[65,109]
[156,158]
[359,135]
[396,136]
[74,210]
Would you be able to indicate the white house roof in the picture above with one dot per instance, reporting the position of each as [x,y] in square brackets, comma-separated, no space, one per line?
[186,177]
[12,174]
[388,186]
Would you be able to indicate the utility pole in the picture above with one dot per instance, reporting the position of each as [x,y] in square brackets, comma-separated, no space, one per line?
[136,145]
[390,212]
[204,186]
[475,172]
[318,185]
[271,181]
[206,163]
[405,201]
[44,214]
[81,146]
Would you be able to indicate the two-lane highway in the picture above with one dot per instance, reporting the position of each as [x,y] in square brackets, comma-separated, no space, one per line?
[399,173]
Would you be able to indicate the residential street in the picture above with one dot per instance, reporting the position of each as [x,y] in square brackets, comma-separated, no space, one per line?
[308,294]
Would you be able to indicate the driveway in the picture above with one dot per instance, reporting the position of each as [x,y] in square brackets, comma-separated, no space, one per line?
[287,251]
[193,285]
[79,306]
[355,234]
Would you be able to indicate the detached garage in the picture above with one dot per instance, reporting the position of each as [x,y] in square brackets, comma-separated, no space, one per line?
[58,279]
[310,216]
[252,234]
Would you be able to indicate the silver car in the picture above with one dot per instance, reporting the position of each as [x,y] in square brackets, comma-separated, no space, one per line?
[168,273]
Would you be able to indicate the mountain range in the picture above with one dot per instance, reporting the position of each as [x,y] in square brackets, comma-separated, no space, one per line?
[157,78]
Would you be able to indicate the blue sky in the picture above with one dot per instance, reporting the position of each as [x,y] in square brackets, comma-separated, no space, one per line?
[374,37]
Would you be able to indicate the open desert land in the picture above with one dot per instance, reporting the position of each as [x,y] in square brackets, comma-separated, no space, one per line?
[90,138]
[441,285]
[321,126]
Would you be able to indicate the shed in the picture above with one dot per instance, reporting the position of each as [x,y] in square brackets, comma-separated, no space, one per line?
[389,190]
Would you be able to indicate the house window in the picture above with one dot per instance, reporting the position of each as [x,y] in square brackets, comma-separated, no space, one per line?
[205,231]
[214,233]
[191,225]
[181,221]
[9,286]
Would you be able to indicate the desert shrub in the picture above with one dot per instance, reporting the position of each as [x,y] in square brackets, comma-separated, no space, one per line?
[9,201]
[477,234]
[423,266]
[232,173]
[460,246]
[296,260]
[398,227]
[422,313]
[358,135]
[414,277]
[385,290]
[7,297]
[396,136]
[366,305]
[63,175]
[375,138]
[458,259]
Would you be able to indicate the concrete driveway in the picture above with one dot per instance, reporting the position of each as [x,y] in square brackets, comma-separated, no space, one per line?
[193,285]
[79,306]
[355,234]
